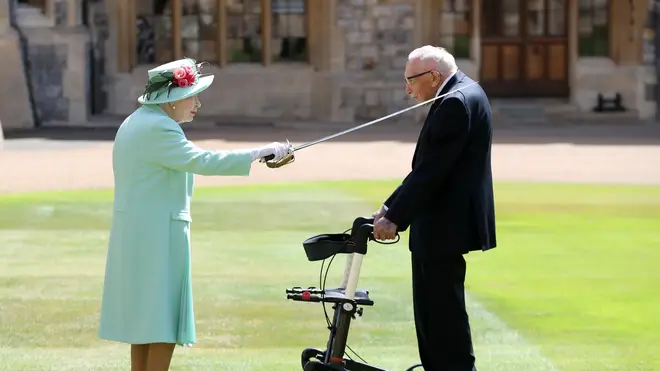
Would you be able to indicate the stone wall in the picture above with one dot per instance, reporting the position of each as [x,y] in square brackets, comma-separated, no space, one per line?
[47,64]
[240,93]
[635,83]
[377,38]
[59,73]
[57,64]
[15,104]
[595,76]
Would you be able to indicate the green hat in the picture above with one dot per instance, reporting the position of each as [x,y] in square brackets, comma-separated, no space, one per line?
[174,81]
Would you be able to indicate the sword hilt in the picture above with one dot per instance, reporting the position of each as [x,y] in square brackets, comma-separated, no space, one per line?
[276,164]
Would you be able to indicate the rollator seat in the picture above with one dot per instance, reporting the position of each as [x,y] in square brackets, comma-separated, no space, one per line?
[323,246]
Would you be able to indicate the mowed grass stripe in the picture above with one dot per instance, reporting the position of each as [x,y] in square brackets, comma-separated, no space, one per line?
[500,347]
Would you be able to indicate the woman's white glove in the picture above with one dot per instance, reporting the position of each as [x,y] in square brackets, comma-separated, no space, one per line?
[279,150]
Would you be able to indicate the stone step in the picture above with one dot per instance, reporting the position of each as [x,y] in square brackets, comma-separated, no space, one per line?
[532,106]
[553,112]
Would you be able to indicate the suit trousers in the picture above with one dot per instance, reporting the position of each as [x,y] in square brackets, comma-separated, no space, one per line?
[441,320]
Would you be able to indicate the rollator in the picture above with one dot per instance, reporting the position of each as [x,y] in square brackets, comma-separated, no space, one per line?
[347,300]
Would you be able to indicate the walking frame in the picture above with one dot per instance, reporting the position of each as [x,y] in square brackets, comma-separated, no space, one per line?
[346,299]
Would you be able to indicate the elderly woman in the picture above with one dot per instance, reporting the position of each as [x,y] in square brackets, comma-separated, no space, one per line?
[147,297]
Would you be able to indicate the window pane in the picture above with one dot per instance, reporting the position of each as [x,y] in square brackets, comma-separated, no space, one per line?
[593,28]
[510,17]
[557,17]
[536,18]
[490,24]
[154,32]
[289,30]
[456,27]
[244,30]
[199,29]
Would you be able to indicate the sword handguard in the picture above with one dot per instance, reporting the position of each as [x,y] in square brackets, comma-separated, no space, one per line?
[284,161]
[289,158]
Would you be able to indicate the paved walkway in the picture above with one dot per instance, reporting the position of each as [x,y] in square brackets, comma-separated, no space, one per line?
[83,160]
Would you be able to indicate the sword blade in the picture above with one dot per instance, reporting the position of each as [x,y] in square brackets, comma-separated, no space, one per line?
[309,144]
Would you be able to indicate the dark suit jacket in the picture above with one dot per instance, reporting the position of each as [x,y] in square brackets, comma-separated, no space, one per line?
[447,198]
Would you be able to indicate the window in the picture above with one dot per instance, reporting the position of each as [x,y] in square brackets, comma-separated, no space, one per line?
[221,31]
[245,38]
[289,36]
[593,30]
[39,4]
[546,17]
[456,27]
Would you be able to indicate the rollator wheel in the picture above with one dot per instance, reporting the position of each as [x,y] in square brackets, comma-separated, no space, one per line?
[310,355]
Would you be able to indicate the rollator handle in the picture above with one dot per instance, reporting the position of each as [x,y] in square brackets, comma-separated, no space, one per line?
[361,233]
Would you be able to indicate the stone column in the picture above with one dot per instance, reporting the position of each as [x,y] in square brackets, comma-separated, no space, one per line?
[15,107]
[573,13]
[57,46]
[475,45]
[4,16]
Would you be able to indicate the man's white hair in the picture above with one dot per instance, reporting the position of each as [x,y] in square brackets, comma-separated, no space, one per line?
[434,57]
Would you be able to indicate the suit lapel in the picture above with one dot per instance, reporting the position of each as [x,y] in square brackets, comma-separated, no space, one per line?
[458,76]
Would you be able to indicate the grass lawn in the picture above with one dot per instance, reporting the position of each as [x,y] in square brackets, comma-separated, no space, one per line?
[574,284]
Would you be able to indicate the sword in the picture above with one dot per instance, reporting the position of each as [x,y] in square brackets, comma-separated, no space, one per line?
[290,157]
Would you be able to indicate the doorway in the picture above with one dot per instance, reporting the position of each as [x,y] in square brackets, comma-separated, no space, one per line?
[524,49]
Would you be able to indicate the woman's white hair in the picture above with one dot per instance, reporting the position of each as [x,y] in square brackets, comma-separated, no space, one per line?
[434,57]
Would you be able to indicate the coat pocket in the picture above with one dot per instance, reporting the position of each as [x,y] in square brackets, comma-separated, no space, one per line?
[181,215]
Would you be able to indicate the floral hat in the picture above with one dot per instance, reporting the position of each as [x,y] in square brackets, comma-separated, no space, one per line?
[174,81]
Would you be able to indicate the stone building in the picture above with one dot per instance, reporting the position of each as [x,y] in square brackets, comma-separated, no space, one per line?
[327,60]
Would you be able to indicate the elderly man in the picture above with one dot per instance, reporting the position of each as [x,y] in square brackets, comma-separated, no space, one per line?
[447,201]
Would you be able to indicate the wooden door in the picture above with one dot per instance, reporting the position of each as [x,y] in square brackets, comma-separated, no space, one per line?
[524,50]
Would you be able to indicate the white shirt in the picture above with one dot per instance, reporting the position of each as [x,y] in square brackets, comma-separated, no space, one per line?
[444,83]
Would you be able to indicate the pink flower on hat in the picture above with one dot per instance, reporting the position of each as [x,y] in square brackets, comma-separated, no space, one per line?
[184,77]
[179,73]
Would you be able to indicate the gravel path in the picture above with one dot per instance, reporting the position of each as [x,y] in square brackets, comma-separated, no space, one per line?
[32,164]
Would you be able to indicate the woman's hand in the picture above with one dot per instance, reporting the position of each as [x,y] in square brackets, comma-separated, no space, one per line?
[278,150]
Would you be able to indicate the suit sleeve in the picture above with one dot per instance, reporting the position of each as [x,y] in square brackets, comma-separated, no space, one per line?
[170,148]
[451,126]
[389,200]
[392,197]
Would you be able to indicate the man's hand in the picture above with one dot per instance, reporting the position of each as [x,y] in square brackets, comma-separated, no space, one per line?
[384,229]
[379,214]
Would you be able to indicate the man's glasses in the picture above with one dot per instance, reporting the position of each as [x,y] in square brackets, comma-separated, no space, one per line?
[410,78]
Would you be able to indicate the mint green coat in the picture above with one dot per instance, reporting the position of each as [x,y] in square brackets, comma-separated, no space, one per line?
[147,294]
